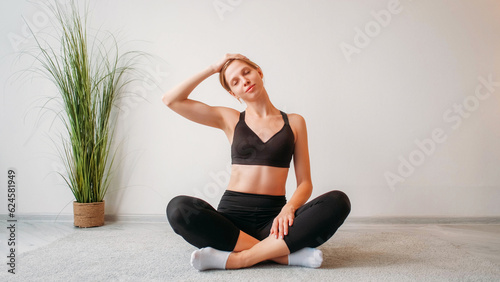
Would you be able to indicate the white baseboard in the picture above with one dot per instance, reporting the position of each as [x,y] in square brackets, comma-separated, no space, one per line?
[423,220]
[349,220]
[108,218]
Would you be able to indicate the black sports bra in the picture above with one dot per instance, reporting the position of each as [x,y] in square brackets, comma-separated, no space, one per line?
[248,148]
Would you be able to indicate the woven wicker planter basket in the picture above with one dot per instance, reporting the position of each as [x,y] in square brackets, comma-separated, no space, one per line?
[88,214]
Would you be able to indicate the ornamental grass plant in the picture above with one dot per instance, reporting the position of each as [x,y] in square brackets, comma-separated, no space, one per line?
[89,73]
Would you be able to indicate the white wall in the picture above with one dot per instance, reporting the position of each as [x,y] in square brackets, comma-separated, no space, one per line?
[365,110]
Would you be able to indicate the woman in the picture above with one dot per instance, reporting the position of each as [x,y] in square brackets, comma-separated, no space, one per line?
[254,222]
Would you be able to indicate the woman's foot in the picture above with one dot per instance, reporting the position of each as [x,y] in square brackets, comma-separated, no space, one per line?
[209,258]
[308,257]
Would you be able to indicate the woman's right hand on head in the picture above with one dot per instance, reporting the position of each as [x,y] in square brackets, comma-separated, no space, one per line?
[217,67]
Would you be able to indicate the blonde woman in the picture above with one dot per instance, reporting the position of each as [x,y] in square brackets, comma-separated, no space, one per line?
[254,222]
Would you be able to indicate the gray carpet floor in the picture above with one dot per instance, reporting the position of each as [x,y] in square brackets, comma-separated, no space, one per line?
[153,252]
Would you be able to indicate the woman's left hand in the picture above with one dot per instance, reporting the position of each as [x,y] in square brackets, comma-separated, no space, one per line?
[281,223]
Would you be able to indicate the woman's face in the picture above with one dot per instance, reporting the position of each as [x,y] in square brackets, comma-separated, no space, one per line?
[245,81]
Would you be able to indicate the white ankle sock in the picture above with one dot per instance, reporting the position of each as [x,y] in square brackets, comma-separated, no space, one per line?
[308,257]
[209,258]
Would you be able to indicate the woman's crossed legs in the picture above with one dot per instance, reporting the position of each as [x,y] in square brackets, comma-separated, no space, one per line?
[225,245]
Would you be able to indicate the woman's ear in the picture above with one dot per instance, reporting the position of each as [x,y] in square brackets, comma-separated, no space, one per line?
[260,73]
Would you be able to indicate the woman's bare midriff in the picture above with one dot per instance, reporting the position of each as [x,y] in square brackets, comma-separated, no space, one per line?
[258,179]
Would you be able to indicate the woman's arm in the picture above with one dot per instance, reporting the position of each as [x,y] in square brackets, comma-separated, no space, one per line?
[303,175]
[177,98]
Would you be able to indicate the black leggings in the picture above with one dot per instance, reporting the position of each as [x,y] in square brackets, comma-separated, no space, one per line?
[203,226]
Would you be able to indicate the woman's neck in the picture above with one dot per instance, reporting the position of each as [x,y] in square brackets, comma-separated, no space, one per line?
[261,108]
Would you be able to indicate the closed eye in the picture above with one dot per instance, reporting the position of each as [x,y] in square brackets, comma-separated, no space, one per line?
[244,71]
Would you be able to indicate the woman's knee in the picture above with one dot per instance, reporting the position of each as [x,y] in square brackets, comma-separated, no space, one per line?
[180,210]
[340,201]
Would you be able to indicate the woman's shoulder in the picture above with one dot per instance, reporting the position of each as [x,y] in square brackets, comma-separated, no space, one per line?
[296,119]
[230,116]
